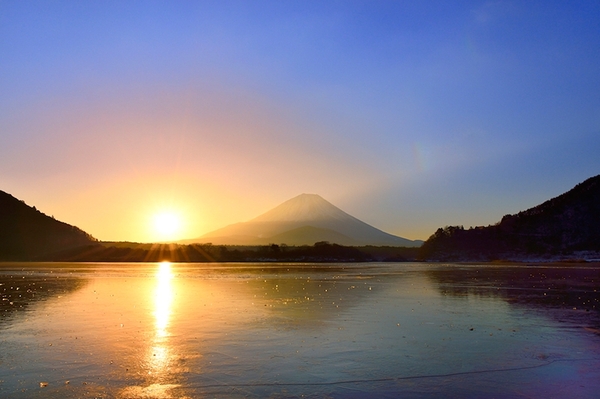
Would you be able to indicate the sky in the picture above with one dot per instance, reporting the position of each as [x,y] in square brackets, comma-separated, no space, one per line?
[408,115]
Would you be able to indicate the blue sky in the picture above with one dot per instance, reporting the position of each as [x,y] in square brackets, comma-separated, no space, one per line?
[408,115]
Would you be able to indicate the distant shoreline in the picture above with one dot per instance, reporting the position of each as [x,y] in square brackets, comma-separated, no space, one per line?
[552,264]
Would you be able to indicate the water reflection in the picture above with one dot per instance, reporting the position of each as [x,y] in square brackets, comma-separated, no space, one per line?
[254,330]
[158,369]
[20,290]
[308,302]
[163,298]
[569,294]
[159,351]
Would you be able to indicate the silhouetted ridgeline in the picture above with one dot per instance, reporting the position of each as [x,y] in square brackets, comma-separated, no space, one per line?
[565,226]
[28,234]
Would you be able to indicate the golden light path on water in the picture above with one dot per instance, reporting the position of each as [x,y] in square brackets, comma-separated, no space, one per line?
[163,301]
[159,354]
[163,298]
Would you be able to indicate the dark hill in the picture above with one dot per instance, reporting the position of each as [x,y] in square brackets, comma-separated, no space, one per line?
[28,234]
[561,226]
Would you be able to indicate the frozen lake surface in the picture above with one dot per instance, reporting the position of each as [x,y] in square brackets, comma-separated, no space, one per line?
[381,330]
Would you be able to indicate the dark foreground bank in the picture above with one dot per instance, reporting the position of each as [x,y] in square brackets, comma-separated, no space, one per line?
[135,252]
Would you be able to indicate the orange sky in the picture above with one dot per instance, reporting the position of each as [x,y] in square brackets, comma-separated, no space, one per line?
[406,116]
[194,152]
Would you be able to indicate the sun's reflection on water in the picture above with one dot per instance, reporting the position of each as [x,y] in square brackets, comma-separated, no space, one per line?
[160,365]
[159,352]
[163,299]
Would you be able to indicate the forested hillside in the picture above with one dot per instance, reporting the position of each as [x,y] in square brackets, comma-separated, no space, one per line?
[565,225]
[28,234]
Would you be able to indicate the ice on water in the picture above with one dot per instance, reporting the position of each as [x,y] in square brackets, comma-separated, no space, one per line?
[288,330]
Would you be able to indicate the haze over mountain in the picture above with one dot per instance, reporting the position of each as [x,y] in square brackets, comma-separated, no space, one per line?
[304,220]
[27,234]
[566,226]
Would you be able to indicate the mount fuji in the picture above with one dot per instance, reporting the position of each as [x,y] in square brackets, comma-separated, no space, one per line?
[304,220]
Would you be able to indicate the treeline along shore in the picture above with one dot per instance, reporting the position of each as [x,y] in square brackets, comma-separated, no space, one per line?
[135,252]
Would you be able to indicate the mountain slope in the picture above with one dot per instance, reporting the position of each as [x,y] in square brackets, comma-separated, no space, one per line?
[302,235]
[26,233]
[304,220]
[560,226]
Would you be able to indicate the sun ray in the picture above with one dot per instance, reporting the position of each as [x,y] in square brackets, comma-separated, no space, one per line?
[167,225]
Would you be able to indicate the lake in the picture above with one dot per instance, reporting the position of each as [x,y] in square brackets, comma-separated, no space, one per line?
[381,330]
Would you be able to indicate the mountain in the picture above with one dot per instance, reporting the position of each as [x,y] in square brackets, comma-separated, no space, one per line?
[28,234]
[565,226]
[304,220]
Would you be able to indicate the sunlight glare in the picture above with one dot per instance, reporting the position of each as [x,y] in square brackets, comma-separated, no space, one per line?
[159,353]
[163,298]
[167,224]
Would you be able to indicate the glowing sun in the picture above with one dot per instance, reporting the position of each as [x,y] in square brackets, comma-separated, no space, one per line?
[167,225]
